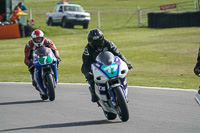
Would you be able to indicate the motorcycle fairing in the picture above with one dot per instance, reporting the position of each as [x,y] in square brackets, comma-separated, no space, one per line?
[110,71]
[101,88]
[44,59]
[197,98]
[38,79]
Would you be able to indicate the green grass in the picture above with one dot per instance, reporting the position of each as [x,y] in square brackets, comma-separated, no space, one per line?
[160,57]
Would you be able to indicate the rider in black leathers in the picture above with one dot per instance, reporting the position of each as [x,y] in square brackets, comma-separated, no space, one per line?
[197,68]
[97,44]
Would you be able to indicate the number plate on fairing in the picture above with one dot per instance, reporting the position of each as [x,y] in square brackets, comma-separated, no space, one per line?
[45,60]
[111,70]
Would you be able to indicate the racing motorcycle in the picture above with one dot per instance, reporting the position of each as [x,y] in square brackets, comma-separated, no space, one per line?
[45,72]
[110,85]
[197,98]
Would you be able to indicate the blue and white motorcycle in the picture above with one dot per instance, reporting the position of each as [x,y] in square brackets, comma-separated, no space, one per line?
[45,72]
[110,85]
[197,98]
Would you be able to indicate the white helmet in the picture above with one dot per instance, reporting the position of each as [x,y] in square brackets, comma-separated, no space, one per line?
[37,37]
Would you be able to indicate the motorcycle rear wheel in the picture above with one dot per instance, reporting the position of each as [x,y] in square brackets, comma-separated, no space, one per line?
[43,97]
[110,116]
[50,87]
[121,107]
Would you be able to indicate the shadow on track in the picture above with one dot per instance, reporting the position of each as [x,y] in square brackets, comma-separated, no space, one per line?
[22,102]
[71,124]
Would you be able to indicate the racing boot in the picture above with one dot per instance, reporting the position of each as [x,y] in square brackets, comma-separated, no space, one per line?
[34,83]
[93,95]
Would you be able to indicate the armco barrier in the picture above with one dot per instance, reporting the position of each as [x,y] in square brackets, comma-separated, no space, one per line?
[171,20]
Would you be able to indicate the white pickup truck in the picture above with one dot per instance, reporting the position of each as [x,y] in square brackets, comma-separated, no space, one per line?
[68,15]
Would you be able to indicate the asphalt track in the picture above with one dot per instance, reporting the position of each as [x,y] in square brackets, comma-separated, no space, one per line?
[152,110]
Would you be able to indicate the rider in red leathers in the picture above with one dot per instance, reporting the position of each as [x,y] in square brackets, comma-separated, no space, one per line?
[38,40]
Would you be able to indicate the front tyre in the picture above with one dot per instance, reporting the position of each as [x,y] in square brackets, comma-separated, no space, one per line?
[121,105]
[50,22]
[64,22]
[50,87]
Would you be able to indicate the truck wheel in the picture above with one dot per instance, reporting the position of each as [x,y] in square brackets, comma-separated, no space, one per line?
[70,26]
[64,23]
[50,22]
[85,26]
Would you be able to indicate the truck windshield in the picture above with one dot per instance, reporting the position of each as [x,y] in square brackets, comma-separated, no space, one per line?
[73,8]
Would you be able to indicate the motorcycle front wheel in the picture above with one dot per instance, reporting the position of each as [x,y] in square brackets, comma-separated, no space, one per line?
[50,87]
[121,107]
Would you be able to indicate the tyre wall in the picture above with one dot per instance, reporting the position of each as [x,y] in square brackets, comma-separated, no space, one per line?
[25,31]
[171,20]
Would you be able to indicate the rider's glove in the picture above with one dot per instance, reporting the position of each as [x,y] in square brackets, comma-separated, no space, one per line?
[197,71]
[89,76]
[129,66]
[58,59]
[30,65]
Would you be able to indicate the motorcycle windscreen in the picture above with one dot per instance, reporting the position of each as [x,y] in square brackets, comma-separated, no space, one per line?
[42,51]
[106,58]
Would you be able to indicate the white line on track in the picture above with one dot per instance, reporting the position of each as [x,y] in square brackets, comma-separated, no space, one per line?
[141,87]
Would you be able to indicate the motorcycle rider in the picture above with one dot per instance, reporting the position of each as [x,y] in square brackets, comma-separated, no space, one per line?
[197,68]
[97,44]
[38,40]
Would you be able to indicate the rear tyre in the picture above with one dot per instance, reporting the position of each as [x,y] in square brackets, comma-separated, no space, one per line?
[43,97]
[121,107]
[50,87]
[110,116]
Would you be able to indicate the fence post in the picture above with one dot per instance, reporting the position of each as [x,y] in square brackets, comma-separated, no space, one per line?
[99,21]
[197,4]
[31,18]
[139,16]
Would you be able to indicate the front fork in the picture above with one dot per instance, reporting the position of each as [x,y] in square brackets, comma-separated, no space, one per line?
[122,86]
[44,72]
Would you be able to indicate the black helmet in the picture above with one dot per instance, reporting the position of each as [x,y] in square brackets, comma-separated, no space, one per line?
[96,39]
